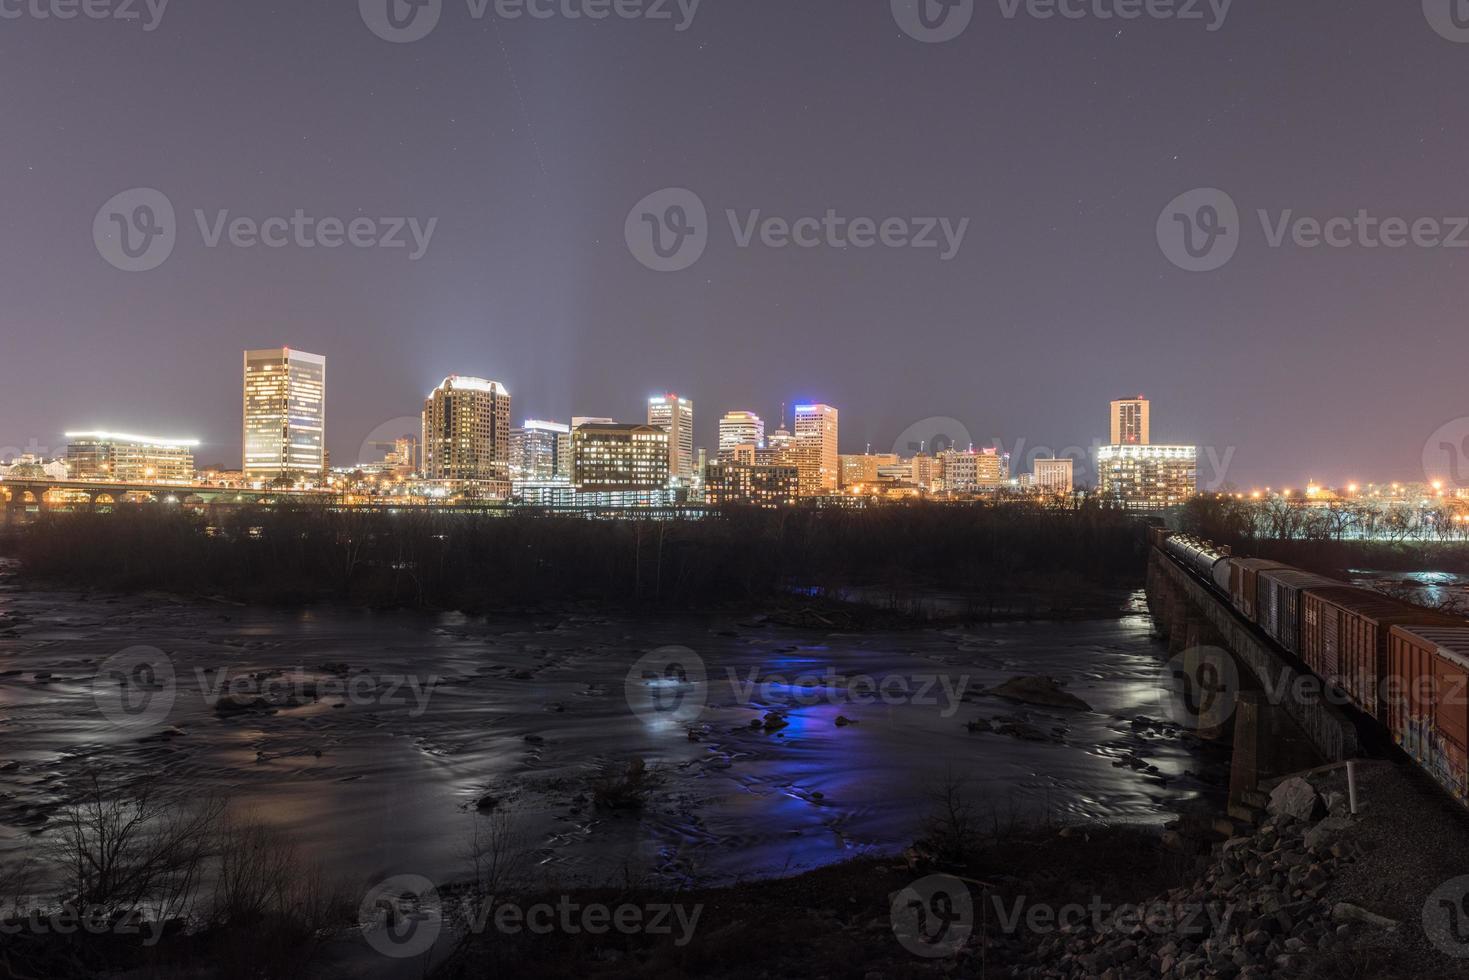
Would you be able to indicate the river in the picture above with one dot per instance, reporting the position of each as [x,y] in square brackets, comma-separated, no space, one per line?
[414,719]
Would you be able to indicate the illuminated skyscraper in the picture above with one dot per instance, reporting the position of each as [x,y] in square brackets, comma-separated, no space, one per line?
[741,429]
[816,429]
[284,413]
[540,451]
[1131,422]
[675,416]
[1054,475]
[466,435]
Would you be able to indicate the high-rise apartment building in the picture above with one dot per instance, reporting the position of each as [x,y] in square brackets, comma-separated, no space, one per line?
[466,435]
[675,416]
[1147,477]
[284,414]
[609,457]
[540,451]
[816,427]
[1054,476]
[128,458]
[1131,422]
[741,429]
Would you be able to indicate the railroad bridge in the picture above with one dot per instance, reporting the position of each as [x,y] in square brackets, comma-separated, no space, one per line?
[1279,720]
[22,496]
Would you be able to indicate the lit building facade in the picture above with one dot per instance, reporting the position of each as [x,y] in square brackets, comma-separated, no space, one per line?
[611,457]
[741,429]
[1131,422]
[817,430]
[129,458]
[972,470]
[284,413]
[675,416]
[729,483]
[540,452]
[466,435]
[1056,476]
[1147,477]
[863,470]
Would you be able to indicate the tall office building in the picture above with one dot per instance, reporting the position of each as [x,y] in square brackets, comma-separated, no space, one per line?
[816,427]
[741,429]
[466,435]
[1131,422]
[540,451]
[675,416]
[1054,475]
[284,413]
[614,457]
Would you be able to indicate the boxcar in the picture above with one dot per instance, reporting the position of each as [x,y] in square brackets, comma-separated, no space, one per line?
[1278,602]
[1244,583]
[1427,698]
[1344,632]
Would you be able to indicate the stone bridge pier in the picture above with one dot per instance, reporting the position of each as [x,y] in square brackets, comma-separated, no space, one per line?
[1236,686]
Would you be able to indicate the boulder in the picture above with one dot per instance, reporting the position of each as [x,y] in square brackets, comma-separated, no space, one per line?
[1039,690]
[1345,912]
[1295,798]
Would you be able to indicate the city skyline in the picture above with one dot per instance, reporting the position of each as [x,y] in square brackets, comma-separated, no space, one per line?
[528,279]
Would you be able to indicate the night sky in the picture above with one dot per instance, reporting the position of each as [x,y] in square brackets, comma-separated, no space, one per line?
[530,141]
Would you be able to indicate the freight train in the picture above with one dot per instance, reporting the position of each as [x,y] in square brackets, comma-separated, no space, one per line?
[1404,666]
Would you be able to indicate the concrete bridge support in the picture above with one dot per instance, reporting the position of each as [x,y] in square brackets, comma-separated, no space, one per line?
[1274,731]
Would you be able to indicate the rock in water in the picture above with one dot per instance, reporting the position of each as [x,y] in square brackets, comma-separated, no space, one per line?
[1039,690]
